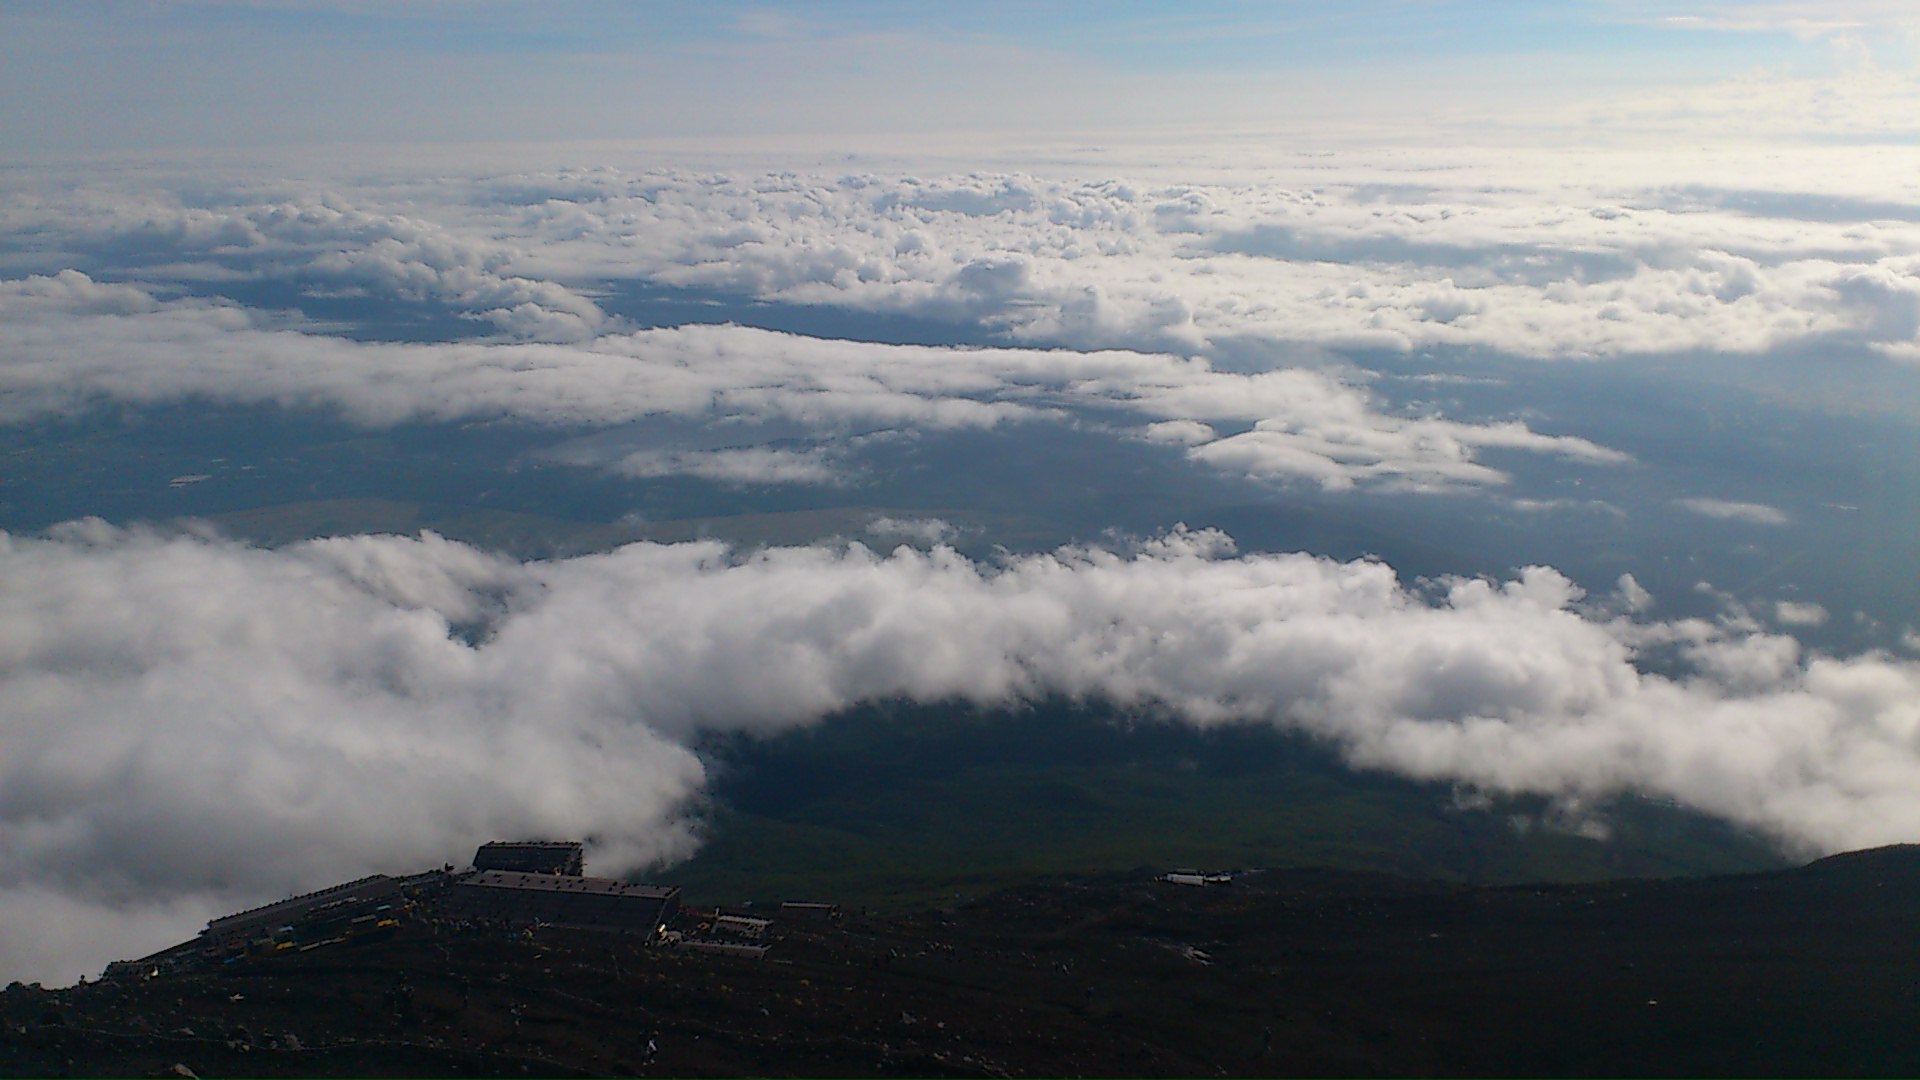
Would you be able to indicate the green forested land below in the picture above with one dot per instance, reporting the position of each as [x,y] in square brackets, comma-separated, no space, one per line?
[906,805]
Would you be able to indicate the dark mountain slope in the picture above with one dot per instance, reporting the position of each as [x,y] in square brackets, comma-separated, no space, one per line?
[1799,972]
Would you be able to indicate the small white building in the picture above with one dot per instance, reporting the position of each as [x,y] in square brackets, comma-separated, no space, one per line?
[1195,878]
[745,926]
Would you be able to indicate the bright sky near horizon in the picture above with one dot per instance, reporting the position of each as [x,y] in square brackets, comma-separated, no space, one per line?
[173,74]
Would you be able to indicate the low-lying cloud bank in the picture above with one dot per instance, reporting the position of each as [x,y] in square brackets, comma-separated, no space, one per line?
[193,724]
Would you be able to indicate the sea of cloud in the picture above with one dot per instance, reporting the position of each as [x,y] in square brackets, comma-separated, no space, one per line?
[191,724]
[1550,255]
[1223,315]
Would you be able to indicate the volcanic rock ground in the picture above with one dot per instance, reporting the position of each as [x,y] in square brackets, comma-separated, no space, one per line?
[1809,971]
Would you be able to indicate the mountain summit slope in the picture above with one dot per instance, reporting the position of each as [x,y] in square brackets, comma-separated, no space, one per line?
[1797,972]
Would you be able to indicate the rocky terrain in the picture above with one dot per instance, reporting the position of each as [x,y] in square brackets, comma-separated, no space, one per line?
[1799,972]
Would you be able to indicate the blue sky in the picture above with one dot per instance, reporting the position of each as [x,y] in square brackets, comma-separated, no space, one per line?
[101,77]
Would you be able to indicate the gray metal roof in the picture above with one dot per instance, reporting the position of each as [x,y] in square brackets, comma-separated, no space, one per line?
[372,883]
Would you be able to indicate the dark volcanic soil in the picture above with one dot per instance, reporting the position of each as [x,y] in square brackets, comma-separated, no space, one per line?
[1811,971]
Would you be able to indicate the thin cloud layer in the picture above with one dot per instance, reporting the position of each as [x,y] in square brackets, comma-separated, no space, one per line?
[1728,510]
[68,343]
[193,724]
